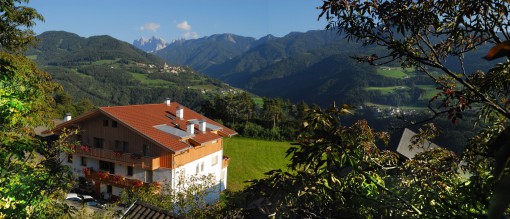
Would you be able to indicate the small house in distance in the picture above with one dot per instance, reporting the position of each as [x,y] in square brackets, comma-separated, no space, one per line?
[403,146]
[126,146]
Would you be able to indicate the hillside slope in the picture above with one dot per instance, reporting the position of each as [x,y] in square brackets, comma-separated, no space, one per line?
[111,72]
[315,66]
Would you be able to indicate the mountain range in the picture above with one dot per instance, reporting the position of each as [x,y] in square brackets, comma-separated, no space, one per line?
[314,66]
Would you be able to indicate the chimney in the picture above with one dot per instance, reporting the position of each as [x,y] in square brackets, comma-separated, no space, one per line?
[167,101]
[202,125]
[180,112]
[67,117]
[190,128]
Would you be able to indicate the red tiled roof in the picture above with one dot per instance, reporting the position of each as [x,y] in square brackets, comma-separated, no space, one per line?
[143,118]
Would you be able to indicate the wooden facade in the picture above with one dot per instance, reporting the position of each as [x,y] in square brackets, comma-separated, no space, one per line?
[197,152]
[109,140]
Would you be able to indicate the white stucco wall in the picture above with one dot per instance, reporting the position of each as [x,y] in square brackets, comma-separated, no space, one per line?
[190,169]
[205,167]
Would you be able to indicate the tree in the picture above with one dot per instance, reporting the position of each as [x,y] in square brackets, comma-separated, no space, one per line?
[427,35]
[337,171]
[15,24]
[31,177]
[272,110]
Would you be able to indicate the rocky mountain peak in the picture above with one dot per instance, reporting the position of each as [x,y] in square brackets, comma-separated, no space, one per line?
[152,44]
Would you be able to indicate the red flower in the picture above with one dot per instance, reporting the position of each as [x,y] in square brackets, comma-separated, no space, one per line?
[103,175]
[117,153]
[156,184]
[85,148]
[117,178]
[86,171]
[137,183]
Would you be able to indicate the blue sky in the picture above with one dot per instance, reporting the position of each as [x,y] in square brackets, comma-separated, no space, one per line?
[128,20]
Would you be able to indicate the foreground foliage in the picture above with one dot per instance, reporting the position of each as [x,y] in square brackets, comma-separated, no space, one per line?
[341,172]
[31,177]
[424,35]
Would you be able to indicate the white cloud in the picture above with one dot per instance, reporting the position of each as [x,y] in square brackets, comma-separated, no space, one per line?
[190,35]
[150,27]
[184,26]
[187,33]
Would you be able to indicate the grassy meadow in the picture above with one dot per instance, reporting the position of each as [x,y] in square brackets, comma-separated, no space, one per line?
[251,158]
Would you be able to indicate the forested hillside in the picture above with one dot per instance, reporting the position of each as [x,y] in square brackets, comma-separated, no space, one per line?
[316,66]
[111,72]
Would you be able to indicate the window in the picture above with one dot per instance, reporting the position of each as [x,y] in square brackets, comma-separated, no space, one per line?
[98,142]
[70,158]
[84,161]
[107,166]
[121,146]
[117,145]
[202,167]
[145,149]
[198,168]
[130,171]
[105,122]
[114,124]
[109,189]
[214,160]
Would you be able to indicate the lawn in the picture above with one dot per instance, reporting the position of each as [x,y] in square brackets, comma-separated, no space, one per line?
[251,158]
[430,91]
[387,90]
[150,82]
[258,101]
[393,72]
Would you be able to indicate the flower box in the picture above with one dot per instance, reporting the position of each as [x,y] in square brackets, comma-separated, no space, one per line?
[103,175]
[117,178]
[117,153]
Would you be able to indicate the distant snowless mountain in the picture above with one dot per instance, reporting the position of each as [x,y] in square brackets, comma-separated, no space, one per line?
[151,45]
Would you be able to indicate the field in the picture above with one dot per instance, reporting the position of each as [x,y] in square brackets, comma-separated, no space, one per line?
[150,82]
[251,158]
[387,90]
[394,72]
[430,91]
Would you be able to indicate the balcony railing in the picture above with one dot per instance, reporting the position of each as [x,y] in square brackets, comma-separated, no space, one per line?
[119,157]
[115,180]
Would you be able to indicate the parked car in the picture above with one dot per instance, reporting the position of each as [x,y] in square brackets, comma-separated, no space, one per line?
[84,199]
[90,201]
[74,197]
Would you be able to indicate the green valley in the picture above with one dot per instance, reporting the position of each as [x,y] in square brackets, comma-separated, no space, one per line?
[111,72]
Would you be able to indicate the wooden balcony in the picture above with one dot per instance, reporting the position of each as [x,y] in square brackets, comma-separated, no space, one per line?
[114,180]
[225,161]
[128,159]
